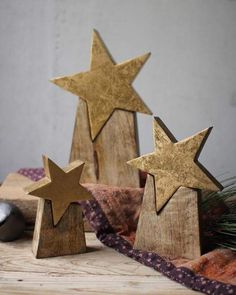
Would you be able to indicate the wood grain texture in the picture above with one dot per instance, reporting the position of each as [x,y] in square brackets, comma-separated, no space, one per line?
[66,238]
[174,232]
[105,158]
[112,273]
[59,228]
[82,145]
[175,163]
[104,134]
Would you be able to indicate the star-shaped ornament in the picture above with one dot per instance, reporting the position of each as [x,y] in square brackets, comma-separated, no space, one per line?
[106,86]
[174,164]
[60,186]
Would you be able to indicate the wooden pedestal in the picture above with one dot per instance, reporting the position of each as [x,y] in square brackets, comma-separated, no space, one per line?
[66,238]
[105,158]
[175,231]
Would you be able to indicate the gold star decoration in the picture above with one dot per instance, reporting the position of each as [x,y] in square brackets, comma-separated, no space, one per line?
[174,164]
[106,86]
[60,186]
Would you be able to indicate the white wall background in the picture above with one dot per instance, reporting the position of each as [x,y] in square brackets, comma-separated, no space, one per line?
[189,81]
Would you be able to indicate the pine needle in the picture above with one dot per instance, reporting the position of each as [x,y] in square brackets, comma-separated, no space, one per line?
[221,230]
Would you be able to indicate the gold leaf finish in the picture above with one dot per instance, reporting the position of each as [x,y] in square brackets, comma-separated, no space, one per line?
[174,164]
[106,86]
[60,186]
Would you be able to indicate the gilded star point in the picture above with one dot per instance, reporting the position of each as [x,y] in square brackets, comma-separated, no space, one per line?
[175,163]
[106,86]
[60,186]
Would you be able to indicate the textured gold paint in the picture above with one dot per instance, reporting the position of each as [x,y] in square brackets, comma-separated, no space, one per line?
[174,164]
[107,86]
[60,186]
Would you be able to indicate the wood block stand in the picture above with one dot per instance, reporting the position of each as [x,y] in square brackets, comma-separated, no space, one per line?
[174,231]
[66,238]
[105,158]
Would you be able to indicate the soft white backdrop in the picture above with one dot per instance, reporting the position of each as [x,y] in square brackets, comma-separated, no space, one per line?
[189,81]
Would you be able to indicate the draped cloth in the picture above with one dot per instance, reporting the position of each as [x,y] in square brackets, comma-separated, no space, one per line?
[113,214]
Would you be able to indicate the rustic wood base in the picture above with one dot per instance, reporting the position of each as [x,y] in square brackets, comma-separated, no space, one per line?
[64,239]
[175,231]
[105,158]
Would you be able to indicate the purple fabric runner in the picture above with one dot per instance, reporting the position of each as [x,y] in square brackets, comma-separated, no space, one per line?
[182,275]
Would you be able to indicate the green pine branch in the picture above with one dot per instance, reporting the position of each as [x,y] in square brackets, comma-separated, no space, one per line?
[219,211]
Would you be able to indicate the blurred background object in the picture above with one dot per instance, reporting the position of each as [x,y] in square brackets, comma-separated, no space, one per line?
[12,222]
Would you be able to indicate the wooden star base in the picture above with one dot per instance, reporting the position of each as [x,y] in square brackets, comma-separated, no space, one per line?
[175,231]
[105,158]
[66,238]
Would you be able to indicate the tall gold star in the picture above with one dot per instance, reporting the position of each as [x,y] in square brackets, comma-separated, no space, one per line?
[174,164]
[107,86]
[61,186]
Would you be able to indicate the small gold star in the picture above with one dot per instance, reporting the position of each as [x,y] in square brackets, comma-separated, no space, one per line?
[60,186]
[174,164]
[107,86]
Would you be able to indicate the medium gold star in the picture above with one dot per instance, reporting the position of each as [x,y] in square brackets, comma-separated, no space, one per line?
[107,86]
[174,164]
[60,186]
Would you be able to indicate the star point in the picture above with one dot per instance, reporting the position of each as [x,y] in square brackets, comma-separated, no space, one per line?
[175,163]
[106,86]
[60,186]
